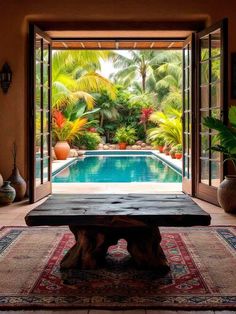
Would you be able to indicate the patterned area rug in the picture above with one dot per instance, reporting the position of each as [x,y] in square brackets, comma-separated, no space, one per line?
[202,260]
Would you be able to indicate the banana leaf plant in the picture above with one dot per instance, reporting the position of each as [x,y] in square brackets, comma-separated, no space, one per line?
[226,135]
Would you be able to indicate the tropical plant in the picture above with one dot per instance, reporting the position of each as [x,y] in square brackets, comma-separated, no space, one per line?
[145,115]
[226,135]
[108,108]
[87,140]
[159,141]
[74,77]
[125,135]
[64,129]
[135,66]
[169,126]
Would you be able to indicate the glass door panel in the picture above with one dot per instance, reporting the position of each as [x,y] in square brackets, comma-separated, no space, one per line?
[211,103]
[188,114]
[40,114]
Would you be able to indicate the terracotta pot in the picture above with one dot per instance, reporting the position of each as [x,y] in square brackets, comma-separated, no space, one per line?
[178,155]
[18,183]
[62,150]
[172,155]
[122,145]
[7,193]
[161,148]
[226,194]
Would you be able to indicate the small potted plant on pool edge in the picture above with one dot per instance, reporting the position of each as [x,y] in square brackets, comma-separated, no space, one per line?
[125,135]
[179,151]
[159,144]
[173,152]
[167,149]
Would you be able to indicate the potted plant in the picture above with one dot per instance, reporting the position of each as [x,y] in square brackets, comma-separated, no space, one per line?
[124,136]
[227,138]
[159,143]
[173,152]
[64,132]
[167,149]
[178,151]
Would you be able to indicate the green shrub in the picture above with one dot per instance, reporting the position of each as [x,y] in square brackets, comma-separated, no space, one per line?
[125,135]
[88,140]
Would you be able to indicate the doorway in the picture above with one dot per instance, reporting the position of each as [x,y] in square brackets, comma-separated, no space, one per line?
[194,92]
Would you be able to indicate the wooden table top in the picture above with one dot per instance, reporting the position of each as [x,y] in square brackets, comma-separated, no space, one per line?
[110,210]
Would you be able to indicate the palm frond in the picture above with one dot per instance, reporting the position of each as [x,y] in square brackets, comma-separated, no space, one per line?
[226,136]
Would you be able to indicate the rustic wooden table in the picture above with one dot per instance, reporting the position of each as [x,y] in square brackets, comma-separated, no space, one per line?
[98,221]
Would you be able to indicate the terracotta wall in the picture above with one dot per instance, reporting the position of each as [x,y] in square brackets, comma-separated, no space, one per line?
[15,16]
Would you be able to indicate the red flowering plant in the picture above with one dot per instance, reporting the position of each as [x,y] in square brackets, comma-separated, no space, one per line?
[64,129]
[145,114]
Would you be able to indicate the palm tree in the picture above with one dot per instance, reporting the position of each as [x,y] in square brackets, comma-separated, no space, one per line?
[74,77]
[136,66]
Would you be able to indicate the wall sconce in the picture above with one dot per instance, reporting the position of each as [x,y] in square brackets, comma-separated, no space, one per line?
[5,77]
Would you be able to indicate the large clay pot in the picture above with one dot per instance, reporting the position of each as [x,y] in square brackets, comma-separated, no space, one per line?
[62,150]
[7,193]
[226,194]
[1,180]
[18,183]
[122,145]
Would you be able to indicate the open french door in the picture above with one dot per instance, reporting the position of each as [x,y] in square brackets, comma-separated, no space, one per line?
[40,115]
[211,101]
[188,117]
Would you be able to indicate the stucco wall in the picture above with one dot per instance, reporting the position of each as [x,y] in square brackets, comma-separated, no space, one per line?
[15,16]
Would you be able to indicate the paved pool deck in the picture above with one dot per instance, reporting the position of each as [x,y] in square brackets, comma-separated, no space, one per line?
[117,188]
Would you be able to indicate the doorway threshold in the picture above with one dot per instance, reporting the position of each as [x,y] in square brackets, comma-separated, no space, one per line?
[117,188]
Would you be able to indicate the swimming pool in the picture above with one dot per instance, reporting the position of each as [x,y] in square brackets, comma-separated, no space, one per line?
[118,167]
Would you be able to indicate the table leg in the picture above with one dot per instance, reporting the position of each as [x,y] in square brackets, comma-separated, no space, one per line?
[146,251]
[88,252]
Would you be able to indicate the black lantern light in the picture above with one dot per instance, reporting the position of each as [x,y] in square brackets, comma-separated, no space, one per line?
[5,77]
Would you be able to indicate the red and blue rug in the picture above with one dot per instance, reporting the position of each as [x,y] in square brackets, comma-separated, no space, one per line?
[202,261]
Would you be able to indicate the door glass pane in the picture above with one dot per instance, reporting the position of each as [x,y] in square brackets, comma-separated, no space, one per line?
[45,169]
[186,101]
[205,73]
[204,114]
[204,145]
[204,96]
[45,52]
[205,171]
[216,43]
[215,113]
[205,48]
[215,173]
[38,170]
[38,48]
[215,70]
[45,146]
[45,98]
[186,78]
[214,142]
[215,95]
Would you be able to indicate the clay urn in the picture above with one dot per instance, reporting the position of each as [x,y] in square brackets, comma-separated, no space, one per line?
[226,194]
[62,150]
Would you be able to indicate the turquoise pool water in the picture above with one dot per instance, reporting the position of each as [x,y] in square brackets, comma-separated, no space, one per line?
[118,167]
